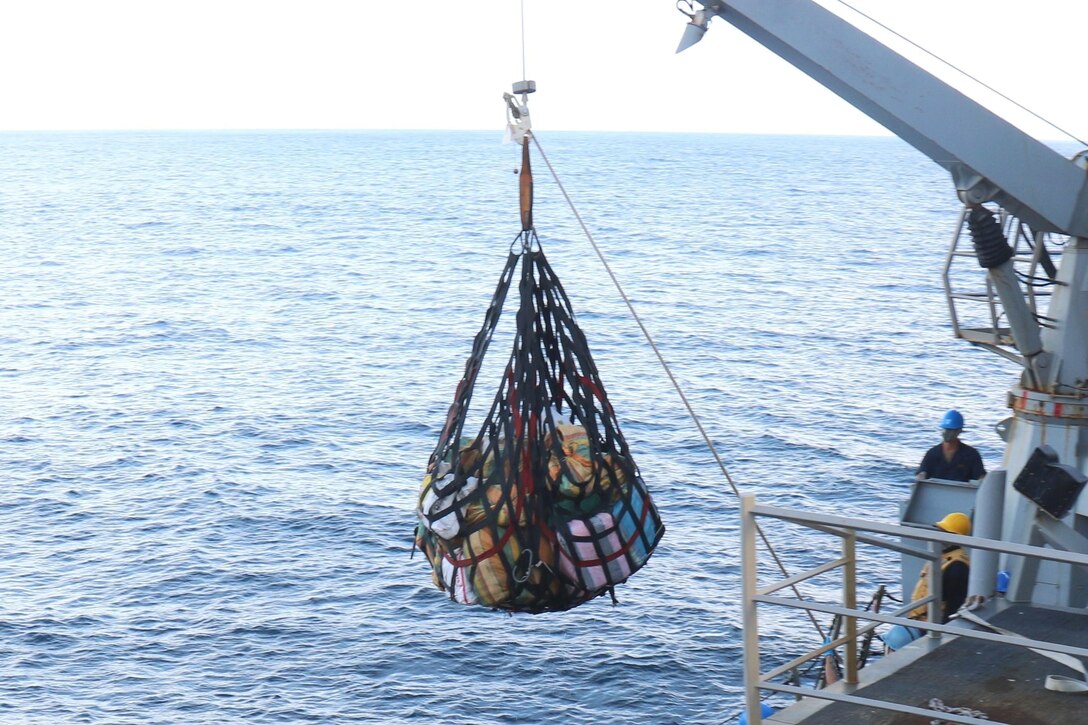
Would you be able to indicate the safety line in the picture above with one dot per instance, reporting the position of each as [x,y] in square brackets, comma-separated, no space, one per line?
[668,371]
[523,74]
[964,73]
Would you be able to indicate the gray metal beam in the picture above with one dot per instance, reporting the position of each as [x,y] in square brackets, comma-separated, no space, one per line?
[1032,181]
[835,524]
[827,694]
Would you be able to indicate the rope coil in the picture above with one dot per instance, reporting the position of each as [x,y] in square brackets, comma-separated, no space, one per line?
[937,704]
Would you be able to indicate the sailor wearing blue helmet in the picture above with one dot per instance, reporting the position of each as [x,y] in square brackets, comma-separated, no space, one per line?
[951,459]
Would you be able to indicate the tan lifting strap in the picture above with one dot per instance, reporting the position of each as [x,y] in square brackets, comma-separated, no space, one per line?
[525,187]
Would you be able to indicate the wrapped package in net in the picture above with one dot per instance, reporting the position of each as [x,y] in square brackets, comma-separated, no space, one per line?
[541,508]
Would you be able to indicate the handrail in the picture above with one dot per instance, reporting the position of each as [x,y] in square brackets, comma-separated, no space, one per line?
[910,532]
[848,529]
[1030,249]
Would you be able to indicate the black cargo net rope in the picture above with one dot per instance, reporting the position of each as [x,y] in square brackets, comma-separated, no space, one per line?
[544,508]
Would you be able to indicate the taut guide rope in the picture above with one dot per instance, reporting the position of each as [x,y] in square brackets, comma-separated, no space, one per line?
[962,72]
[668,371]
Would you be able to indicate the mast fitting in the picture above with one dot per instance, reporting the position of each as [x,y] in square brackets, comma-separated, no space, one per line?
[518,123]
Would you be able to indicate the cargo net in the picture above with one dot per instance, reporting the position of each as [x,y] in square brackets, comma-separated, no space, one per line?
[543,508]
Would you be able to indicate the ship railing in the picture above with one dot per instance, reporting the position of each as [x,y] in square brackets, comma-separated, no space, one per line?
[1035,255]
[854,531]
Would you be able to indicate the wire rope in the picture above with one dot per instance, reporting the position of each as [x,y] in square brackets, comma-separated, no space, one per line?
[524,75]
[962,72]
[668,370]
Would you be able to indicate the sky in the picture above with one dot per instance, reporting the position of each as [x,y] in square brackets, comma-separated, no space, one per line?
[444,64]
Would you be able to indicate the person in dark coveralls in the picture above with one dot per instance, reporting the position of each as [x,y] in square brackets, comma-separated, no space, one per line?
[951,459]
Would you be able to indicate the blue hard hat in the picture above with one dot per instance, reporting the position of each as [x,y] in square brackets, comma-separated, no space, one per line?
[898,636]
[952,420]
[765,710]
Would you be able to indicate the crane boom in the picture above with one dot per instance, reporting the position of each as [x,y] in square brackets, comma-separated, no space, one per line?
[989,158]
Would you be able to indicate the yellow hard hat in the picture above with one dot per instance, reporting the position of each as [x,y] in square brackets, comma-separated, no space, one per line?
[955,523]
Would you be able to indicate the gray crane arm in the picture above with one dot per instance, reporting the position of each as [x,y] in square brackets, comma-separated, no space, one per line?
[989,158]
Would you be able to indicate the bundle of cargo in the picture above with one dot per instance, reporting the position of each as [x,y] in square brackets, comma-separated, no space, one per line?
[544,508]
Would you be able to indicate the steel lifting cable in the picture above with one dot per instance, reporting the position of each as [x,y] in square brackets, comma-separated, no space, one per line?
[962,72]
[665,365]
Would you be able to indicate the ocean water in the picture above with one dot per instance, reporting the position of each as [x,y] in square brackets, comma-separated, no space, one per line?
[226,357]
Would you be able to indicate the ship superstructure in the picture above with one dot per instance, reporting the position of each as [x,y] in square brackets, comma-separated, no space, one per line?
[1024,208]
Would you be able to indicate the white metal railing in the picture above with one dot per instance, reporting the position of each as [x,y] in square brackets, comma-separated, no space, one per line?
[1031,253]
[853,531]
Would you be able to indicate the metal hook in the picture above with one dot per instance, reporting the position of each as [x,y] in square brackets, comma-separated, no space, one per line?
[528,566]
[512,106]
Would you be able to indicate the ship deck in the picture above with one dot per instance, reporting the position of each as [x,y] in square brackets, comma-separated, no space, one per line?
[1004,682]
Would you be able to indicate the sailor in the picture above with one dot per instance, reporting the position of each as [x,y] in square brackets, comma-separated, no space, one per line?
[951,459]
[955,567]
[955,571]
